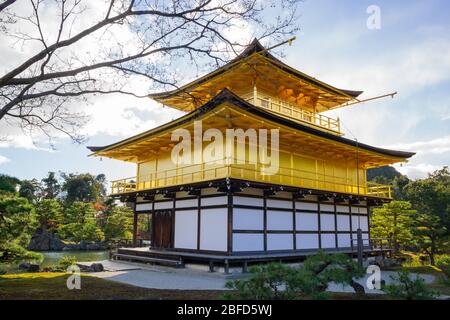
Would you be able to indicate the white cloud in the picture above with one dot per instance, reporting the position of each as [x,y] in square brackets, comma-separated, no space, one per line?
[418,171]
[431,155]
[435,146]
[4,159]
[122,116]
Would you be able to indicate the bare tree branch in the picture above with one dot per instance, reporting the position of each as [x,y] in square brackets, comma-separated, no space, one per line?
[5,4]
[76,54]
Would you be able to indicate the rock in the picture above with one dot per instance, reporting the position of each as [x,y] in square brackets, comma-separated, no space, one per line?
[97,267]
[43,240]
[83,245]
[84,268]
[379,261]
[96,246]
[388,262]
[24,266]
[71,247]
[34,268]
[29,267]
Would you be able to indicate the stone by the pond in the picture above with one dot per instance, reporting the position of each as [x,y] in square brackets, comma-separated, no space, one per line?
[95,267]
[84,268]
[43,240]
[24,265]
[96,246]
[29,267]
[83,245]
[34,268]
[71,247]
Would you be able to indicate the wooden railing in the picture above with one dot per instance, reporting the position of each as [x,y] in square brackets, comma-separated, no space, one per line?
[288,110]
[123,185]
[379,190]
[375,244]
[213,170]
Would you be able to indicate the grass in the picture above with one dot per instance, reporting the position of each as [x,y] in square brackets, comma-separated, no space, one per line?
[414,265]
[52,286]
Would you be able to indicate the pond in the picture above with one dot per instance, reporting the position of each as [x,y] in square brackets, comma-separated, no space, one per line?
[52,257]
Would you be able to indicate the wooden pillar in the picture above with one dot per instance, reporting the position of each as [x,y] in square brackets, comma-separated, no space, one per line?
[319,227]
[360,246]
[351,227]
[265,221]
[335,225]
[172,231]
[294,223]
[230,222]
[135,225]
[199,199]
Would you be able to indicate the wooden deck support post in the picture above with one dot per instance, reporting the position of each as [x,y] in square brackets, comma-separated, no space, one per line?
[244,267]
[359,246]
[135,223]
[227,267]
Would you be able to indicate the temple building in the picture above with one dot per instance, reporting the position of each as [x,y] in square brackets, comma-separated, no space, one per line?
[316,198]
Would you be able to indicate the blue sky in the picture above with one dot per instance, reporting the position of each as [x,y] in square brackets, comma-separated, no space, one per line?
[409,54]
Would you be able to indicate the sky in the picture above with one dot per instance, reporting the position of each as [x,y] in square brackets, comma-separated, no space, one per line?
[409,53]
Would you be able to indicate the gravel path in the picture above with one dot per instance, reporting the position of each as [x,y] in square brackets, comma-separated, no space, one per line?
[158,277]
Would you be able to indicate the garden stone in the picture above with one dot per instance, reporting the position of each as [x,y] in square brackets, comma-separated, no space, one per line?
[43,240]
[84,268]
[392,262]
[83,245]
[379,261]
[24,266]
[97,267]
[34,268]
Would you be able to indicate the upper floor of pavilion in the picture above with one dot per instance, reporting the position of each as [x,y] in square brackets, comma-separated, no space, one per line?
[266,82]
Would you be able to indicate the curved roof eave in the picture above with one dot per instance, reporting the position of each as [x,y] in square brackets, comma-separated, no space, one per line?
[227,96]
[254,47]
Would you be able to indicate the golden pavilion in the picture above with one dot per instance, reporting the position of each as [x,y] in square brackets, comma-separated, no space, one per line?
[317,199]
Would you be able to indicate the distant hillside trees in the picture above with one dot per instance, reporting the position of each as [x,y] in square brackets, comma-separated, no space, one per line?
[382,174]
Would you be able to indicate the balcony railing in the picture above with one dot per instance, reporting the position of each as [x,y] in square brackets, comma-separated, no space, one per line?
[288,110]
[211,171]
[379,190]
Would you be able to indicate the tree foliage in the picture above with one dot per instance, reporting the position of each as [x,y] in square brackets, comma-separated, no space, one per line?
[8,184]
[278,281]
[119,223]
[80,223]
[430,235]
[51,186]
[83,187]
[432,195]
[30,189]
[431,198]
[408,287]
[16,219]
[49,213]
[394,220]
[17,222]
